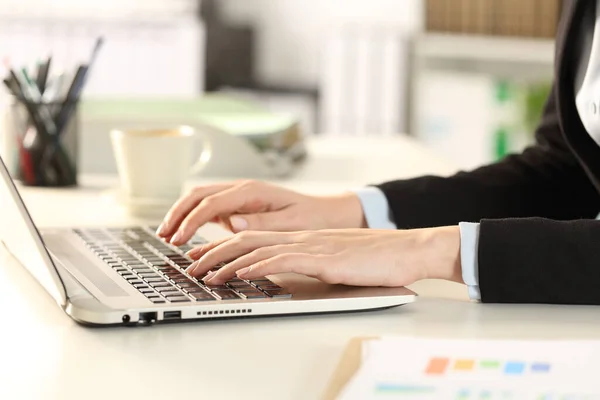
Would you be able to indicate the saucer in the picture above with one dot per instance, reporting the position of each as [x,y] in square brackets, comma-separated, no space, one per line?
[140,207]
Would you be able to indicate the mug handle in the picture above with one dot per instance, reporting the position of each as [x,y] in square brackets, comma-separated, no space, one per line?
[206,153]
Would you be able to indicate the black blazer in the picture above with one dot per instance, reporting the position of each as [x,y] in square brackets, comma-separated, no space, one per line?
[538,242]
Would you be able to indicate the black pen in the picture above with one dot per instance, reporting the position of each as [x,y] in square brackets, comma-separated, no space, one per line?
[31,92]
[42,75]
[11,87]
[76,88]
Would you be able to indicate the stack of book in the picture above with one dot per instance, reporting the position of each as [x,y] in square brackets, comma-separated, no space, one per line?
[523,18]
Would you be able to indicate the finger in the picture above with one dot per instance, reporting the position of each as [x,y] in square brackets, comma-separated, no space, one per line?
[184,205]
[229,271]
[281,220]
[235,247]
[300,263]
[199,251]
[225,202]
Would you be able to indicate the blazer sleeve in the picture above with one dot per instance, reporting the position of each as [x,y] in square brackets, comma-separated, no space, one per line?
[538,241]
[545,180]
[537,260]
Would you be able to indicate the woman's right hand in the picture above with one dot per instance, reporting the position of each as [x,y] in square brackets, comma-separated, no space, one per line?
[258,206]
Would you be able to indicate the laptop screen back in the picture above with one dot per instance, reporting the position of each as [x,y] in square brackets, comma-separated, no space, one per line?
[22,239]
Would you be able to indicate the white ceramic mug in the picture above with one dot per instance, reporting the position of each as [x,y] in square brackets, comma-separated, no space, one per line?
[153,164]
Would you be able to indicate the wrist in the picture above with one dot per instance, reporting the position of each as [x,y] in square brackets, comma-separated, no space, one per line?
[344,211]
[442,253]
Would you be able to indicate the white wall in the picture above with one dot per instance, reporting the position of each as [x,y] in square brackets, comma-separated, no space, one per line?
[96,8]
[291,32]
[143,40]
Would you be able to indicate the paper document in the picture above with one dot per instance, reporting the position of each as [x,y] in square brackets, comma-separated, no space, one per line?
[407,368]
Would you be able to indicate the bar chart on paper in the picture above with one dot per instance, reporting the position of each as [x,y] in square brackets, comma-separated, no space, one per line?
[405,368]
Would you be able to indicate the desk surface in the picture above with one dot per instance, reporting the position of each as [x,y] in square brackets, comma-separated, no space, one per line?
[46,355]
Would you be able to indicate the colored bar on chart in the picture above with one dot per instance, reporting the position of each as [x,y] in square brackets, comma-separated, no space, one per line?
[514,368]
[540,367]
[489,364]
[464,365]
[437,366]
[404,389]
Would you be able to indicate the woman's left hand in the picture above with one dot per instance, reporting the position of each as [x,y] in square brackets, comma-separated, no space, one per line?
[359,257]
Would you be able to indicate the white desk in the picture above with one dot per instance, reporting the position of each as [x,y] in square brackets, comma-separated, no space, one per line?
[44,355]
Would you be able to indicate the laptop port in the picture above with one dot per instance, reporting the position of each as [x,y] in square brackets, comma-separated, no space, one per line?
[171,315]
[148,318]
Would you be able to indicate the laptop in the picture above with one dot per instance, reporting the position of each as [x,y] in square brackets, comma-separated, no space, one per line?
[128,276]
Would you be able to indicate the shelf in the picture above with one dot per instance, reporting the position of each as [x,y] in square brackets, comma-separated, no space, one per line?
[484,48]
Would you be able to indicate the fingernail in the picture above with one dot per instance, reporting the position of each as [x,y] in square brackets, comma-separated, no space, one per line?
[243,271]
[209,276]
[161,229]
[191,268]
[176,237]
[238,224]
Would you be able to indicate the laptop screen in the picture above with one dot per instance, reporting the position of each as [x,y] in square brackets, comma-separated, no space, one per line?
[22,239]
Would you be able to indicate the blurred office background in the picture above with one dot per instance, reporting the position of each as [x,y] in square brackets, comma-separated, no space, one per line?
[467,78]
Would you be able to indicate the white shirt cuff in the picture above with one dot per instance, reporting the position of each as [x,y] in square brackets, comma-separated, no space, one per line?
[469,242]
[376,208]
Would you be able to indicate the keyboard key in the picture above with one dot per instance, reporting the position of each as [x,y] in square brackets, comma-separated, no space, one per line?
[202,296]
[170,293]
[158,301]
[238,284]
[251,294]
[155,260]
[135,282]
[278,293]
[144,254]
[149,275]
[145,270]
[166,288]
[138,266]
[269,287]
[217,287]
[184,264]
[152,280]
[183,280]
[141,286]
[145,291]
[175,276]
[188,285]
[226,295]
[195,289]
[160,284]
[165,267]
[179,299]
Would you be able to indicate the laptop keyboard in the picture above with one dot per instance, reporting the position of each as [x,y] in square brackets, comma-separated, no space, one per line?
[157,269]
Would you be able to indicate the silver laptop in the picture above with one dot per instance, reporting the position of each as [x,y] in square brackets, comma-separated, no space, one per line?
[128,276]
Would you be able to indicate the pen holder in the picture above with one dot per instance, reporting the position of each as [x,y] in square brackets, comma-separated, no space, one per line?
[41,142]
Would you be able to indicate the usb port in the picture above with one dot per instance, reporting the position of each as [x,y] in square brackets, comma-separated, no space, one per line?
[171,315]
